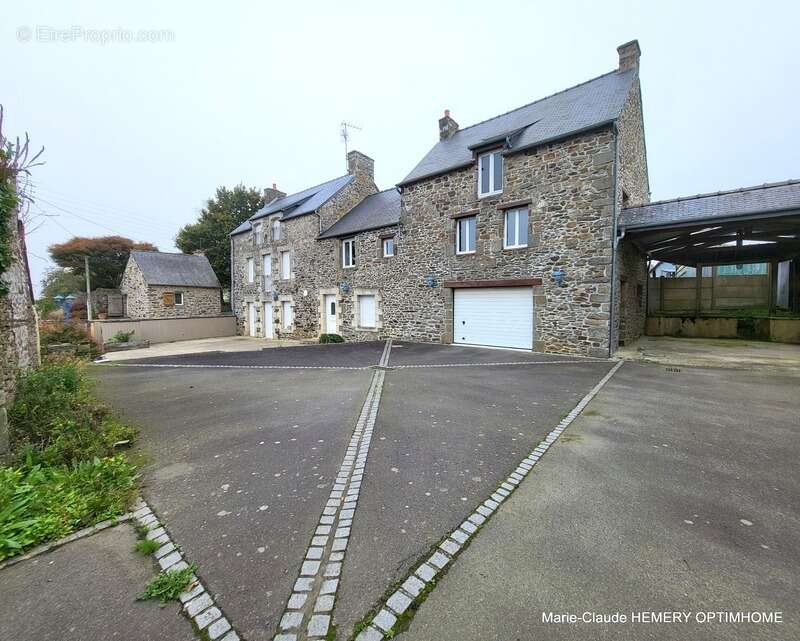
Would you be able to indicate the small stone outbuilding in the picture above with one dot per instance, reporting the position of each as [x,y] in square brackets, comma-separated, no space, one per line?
[162,285]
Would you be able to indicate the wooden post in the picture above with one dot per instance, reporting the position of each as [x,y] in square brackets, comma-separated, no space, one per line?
[713,287]
[773,286]
[88,290]
[698,283]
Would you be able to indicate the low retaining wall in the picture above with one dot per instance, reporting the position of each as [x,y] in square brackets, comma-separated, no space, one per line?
[780,330]
[166,330]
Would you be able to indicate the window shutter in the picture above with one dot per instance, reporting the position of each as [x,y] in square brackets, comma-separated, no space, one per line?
[169,299]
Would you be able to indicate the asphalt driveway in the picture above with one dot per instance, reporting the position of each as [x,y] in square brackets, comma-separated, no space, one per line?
[446,438]
[241,463]
[243,449]
[673,491]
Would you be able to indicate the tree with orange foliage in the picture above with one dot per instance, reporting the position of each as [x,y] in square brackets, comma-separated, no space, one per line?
[108,256]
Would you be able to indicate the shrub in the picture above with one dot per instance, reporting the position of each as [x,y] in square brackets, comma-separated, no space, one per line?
[331,338]
[54,419]
[39,504]
[54,333]
[121,337]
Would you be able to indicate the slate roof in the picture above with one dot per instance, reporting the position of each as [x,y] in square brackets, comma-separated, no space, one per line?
[761,199]
[180,270]
[576,109]
[375,211]
[299,204]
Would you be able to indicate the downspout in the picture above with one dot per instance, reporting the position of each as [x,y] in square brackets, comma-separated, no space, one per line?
[614,242]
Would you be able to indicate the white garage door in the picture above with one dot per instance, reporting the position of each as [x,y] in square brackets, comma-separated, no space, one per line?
[495,316]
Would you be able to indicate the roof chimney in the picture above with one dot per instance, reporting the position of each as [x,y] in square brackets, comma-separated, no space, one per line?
[447,126]
[629,55]
[272,193]
[361,166]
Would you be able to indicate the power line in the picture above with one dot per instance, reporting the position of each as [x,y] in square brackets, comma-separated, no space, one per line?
[93,204]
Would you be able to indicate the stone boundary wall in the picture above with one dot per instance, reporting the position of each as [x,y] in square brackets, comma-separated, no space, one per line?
[19,334]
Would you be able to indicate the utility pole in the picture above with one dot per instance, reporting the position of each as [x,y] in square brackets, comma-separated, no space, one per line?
[88,290]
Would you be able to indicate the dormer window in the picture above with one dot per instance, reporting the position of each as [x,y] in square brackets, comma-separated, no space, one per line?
[276,228]
[490,173]
[258,228]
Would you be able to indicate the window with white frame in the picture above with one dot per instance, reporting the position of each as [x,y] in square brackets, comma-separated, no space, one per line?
[286,265]
[490,173]
[251,270]
[366,311]
[516,228]
[349,252]
[466,232]
[276,228]
[286,314]
[388,247]
[178,298]
[258,230]
[267,262]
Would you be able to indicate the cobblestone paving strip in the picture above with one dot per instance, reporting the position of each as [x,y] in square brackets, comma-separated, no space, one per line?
[197,603]
[423,576]
[310,607]
[576,362]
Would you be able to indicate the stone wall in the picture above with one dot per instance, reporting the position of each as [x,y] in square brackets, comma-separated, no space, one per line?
[19,335]
[567,186]
[310,263]
[633,188]
[147,301]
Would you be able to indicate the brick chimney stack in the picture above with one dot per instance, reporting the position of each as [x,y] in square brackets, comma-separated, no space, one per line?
[629,55]
[271,193]
[361,166]
[447,126]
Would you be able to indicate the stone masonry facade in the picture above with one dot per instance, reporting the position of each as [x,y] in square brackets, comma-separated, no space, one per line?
[573,189]
[145,301]
[309,260]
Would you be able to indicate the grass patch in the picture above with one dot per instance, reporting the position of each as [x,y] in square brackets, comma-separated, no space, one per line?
[168,585]
[64,473]
[146,547]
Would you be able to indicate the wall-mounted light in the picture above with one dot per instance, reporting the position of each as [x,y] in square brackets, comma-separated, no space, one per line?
[558,276]
[344,287]
[430,280]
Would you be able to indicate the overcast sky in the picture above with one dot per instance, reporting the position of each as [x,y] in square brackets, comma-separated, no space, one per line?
[139,134]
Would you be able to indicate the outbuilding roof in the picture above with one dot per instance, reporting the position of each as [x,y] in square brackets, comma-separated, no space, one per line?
[747,201]
[582,107]
[375,211]
[180,270]
[298,204]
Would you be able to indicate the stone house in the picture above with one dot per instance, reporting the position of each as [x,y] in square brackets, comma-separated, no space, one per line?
[163,285]
[277,262]
[504,234]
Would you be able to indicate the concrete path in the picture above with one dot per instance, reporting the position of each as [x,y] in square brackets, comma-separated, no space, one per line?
[225,344]
[728,353]
[86,591]
[672,492]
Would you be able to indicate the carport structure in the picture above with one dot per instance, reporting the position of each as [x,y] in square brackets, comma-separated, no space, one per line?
[750,225]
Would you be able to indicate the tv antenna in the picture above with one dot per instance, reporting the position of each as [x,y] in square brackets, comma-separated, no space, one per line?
[344,130]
